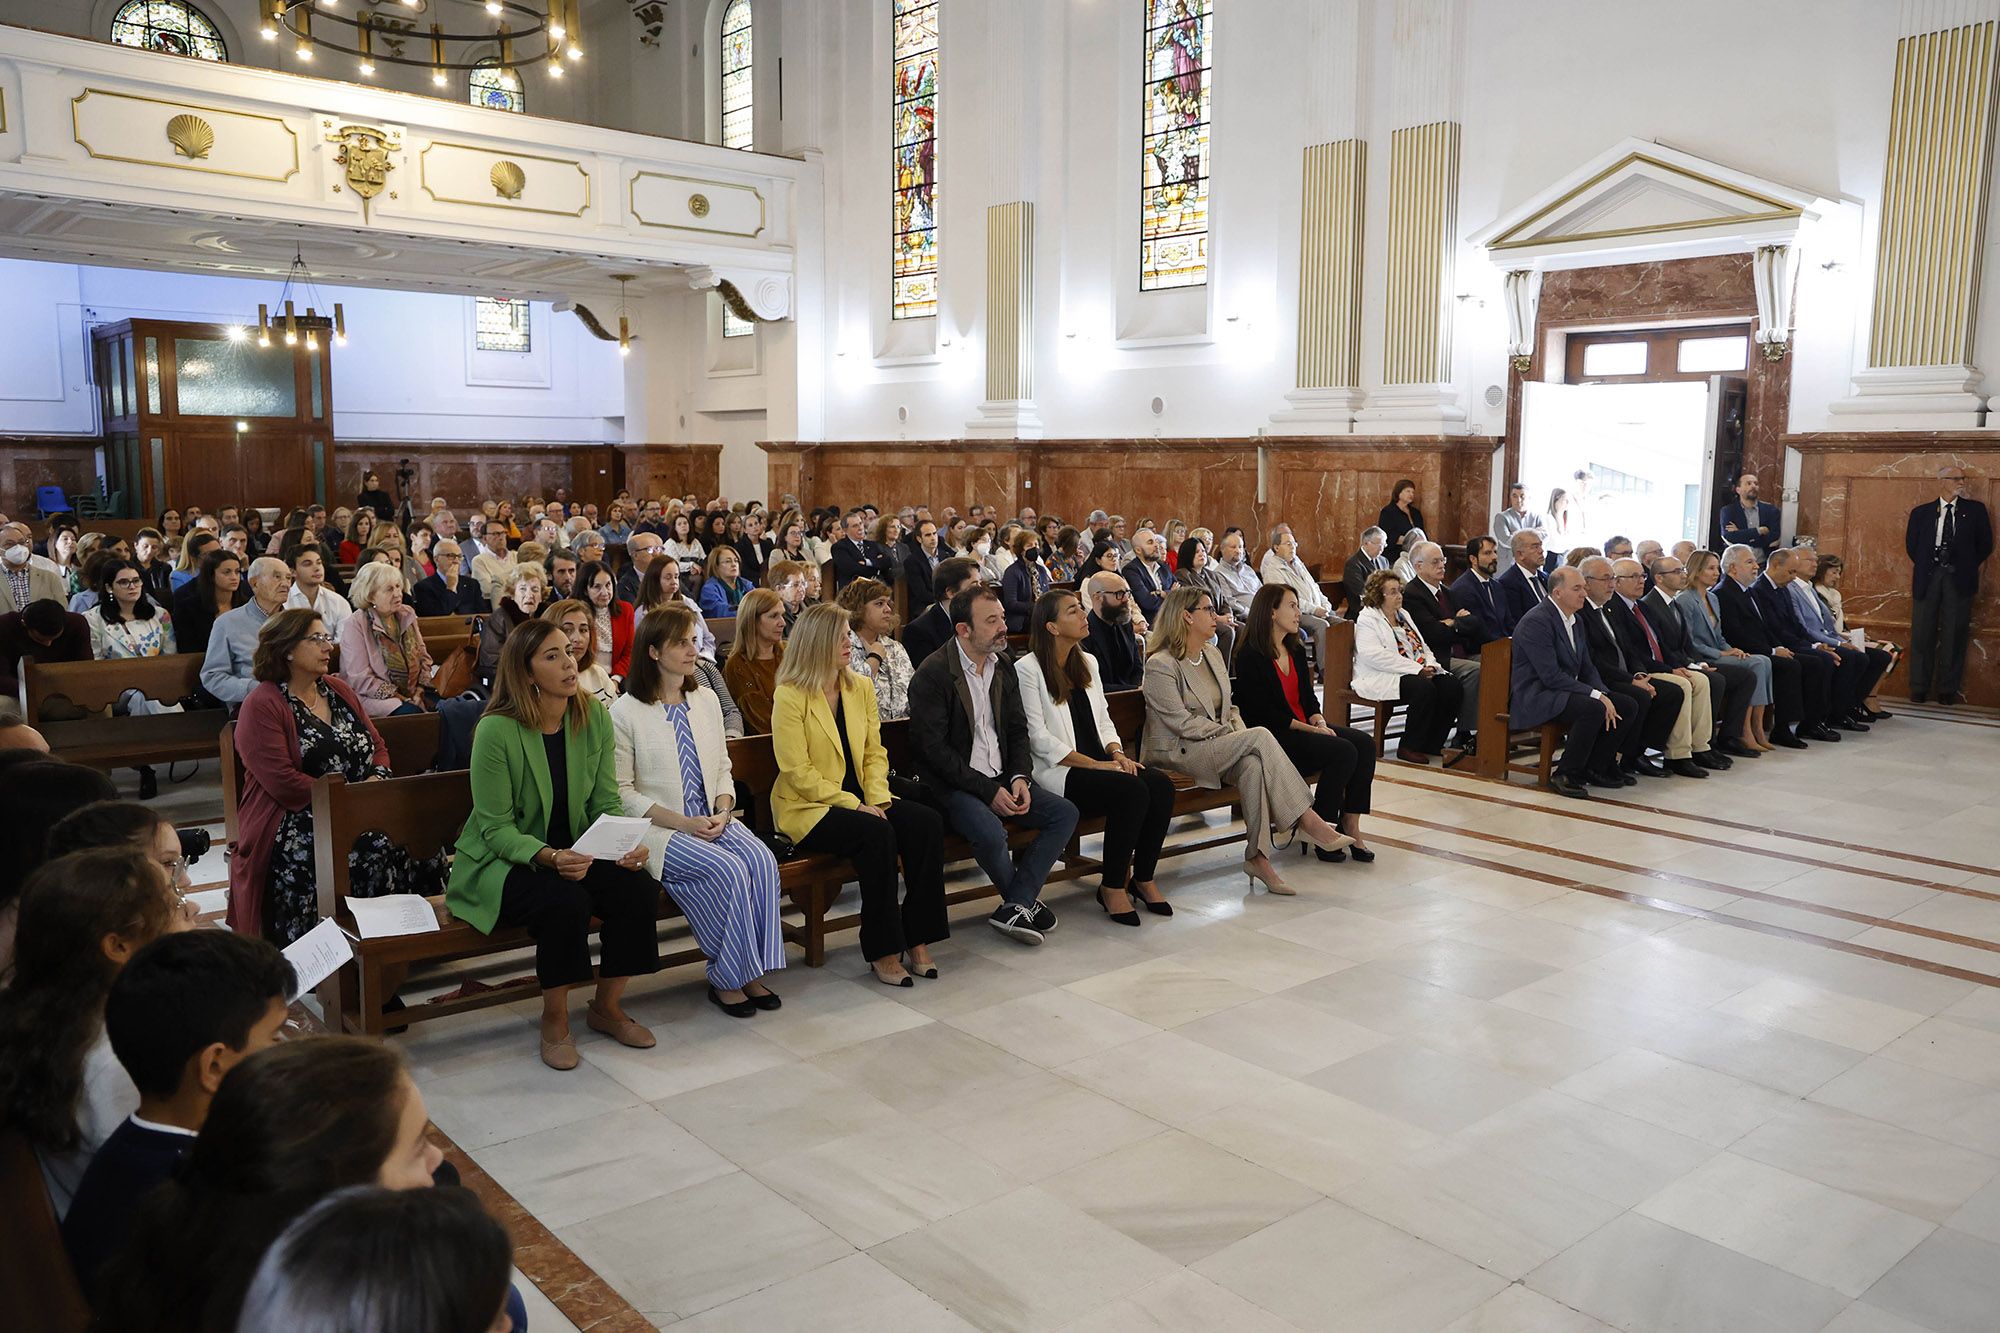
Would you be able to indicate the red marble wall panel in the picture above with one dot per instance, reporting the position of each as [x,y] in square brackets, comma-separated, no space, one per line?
[28,463]
[656,471]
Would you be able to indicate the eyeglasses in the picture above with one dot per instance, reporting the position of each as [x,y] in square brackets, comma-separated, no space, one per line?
[326,639]
[128,583]
[1624,577]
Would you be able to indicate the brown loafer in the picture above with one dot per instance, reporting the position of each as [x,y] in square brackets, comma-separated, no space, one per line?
[621,1030]
[559,1054]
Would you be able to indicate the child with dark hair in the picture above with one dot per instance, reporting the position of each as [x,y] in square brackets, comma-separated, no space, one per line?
[182,1014]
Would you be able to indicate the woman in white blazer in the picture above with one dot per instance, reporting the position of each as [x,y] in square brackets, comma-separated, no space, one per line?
[1077,752]
[1392,663]
[673,768]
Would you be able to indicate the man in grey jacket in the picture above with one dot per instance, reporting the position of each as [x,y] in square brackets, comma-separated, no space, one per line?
[232,643]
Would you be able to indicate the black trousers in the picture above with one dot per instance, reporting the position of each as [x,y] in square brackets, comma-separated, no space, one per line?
[1730,686]
[556,912]
[1854,679]
[1433,708]
[1345,762]
[1788,693]
[1136,809]
[1590,746]
[1815,687]
[1879,662]
[1940,624]
[915,833]
[1662,711]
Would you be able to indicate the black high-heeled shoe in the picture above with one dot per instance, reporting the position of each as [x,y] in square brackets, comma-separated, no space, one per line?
[1362,854]
[1325,855]
[1128,917]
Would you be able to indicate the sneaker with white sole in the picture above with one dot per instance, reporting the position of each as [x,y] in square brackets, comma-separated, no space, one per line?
[1044,917]
[1016,919]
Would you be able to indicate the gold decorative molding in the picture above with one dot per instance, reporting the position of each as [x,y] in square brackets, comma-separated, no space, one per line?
[364,153]
[1423,226]
[698,205]
[190,135]
[3,110]
[632,203]
[1514,239]
[1330,268]
[1934,186]
[76,133]
[508,179]
[424,182]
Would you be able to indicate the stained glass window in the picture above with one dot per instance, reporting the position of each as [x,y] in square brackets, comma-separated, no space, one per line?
[503,325]
[736,105]
[1173,198]
[172,26]
[914,117]
[493,85]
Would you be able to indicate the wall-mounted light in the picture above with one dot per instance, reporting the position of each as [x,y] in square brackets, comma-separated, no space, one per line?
[624,324]
[242,427]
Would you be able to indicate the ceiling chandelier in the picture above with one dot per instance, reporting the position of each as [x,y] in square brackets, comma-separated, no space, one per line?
[288,324]
[523,32]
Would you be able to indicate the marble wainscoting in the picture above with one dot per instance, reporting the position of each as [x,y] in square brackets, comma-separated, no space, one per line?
[655,470]
[30,461]
[1855,496]
[1717,287]
[462,473]
[1327,489]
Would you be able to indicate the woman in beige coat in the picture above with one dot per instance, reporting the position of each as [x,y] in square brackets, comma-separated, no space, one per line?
[1192,725]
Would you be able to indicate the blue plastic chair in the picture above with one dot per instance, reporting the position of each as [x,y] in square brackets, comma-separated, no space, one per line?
[51,500]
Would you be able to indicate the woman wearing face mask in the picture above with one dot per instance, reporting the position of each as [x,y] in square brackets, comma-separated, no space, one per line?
[990,550]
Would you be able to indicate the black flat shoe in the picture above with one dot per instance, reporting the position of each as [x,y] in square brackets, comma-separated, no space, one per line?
[1128,917]
[1363,855]
[739,1009]
[1325,855]
[767,1001]
[1566,786]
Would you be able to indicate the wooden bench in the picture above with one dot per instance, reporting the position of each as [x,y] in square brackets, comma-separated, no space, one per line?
[1498,742]
[54,693]
[438,627]
[412,740]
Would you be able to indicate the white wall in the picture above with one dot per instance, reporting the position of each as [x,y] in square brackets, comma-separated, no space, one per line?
[410,370]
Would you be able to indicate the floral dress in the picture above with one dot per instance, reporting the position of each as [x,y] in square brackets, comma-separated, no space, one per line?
[341,746]
[891,670]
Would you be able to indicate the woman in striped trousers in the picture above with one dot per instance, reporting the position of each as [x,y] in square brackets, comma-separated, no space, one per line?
[673,768]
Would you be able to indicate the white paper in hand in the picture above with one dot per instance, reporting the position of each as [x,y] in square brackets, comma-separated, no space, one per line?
[612,837]
[317,955]
[392,914]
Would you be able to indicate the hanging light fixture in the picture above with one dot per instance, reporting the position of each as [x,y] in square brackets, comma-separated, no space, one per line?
[288,323]
[533,31]
[624,323]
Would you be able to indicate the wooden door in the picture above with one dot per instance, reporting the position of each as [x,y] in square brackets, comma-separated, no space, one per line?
[596,472]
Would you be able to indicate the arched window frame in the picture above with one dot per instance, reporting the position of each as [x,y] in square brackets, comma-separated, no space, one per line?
[915,89]
[140,15]
[735,67]
[491,65]
[1177,78]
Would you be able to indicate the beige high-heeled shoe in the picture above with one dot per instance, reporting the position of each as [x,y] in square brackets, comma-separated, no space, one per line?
[1338,842]
[1272,883]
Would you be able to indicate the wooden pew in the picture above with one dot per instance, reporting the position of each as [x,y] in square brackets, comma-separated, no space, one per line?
[52,692]
[412,740]
[1498,742]
[445,626]
[724,630]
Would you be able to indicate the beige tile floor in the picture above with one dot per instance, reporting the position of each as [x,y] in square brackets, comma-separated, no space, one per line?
[1422,1095]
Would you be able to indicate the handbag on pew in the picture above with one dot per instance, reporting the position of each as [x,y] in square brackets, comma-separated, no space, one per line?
[377,867]
[454,674]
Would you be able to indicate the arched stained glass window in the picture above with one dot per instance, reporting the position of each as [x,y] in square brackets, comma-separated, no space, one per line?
[493,85]
[737,131]
[1173,185]
[914,121]
[172,26]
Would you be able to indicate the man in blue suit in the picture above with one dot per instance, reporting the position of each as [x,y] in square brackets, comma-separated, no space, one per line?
[1750,521]
[1818,664]
[1524,586]
[1554,680]
[1478,591]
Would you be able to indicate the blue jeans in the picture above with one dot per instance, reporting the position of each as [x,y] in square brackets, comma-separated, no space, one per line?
[1019,882]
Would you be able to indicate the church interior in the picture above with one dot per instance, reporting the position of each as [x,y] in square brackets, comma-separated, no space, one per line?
[1163,425]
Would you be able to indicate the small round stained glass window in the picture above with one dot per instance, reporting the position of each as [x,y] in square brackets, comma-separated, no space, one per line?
[171,26]
[493,85]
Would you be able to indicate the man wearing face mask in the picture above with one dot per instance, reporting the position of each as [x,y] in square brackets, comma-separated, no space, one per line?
[23,578]
[1948,539]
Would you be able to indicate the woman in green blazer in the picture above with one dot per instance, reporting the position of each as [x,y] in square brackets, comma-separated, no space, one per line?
[543,770]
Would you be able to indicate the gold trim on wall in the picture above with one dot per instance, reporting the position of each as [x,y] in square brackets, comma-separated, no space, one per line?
[1423,238]
[632,203]
[1774,209]
[1330,238]
[3,110]
[507,154]
[1010,302]
[1934,187]
[76,133]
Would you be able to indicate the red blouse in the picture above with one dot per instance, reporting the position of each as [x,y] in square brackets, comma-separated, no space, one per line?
[1289,682]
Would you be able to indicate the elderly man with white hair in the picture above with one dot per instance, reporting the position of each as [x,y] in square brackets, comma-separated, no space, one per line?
[1371,557]
[1446,627]
[1281,564]
[1689,751]
[232,643]
[24,576]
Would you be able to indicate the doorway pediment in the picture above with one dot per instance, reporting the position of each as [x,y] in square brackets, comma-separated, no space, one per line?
[1643,200]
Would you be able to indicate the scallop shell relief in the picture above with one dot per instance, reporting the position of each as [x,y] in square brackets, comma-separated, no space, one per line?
[191,136]
[508,179]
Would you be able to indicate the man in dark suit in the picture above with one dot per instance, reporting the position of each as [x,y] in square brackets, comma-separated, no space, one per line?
[1477,591]
[1947,540]
[1829,683]
[1744,627]
[1361,564]
[1452,633]
[1690,745]
[856,557]
[1730,681]
[1654,710]
[641,549]
[1749,520]
[1555,680]
[925,633]
[451,591]
[1112,640]
[921,557]
[1524,586]
[969,742]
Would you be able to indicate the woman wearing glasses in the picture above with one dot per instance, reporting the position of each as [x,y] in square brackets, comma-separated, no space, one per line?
[298,724]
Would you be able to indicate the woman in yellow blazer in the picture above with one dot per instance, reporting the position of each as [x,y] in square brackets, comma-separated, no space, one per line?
[543,770]
[832,796]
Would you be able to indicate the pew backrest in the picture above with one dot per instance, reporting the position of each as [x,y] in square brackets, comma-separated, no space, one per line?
[95,685]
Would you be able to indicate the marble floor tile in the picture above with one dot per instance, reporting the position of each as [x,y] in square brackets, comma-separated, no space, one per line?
[1165,992]
[1958,1050]
[920,1067]
[1769,1057]
[1863,1318]
[1386,1001]
[1893,1167]
[1519,1310]
[1282,1035]
[1180,1195]
[884,1181]
[1950,1283]
[1675,1095]
[1967,1114]
[1807,1229]
[1183,1303]
[1423,1087]
[1540,1050]
[1815,1011]
[1332,1267]
[1466,968]
[1052,1027]
[702,1246]
[1346,934]
[590,1167]
[518,1095]
[836,1017]
[1023,1262]
[854,1294]
[1981,1214]
[685,1061]
[1260,961]
[1314,1137]
[774,1112]
[1538,939]
[1170,1078]
[1588,1148]
[1039,1126]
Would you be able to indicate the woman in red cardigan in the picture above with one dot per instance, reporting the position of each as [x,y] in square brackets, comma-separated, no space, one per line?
[611,635]
[298,724]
